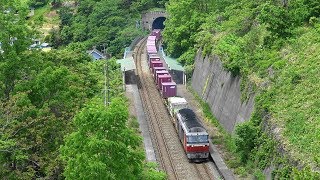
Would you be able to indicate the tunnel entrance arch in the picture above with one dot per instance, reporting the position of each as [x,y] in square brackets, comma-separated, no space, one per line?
[158,23]
[153,20]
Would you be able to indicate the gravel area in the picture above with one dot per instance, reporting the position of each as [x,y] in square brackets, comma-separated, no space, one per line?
[136,110]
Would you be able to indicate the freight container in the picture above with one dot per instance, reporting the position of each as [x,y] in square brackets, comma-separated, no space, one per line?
[152,38]
[175,104]
[169,89]
[158,69]
[153,57]
[163,78]
[155,64]
[156,33]
[153,54]
[151,47]
[152,50]
[157,73]
[151,43]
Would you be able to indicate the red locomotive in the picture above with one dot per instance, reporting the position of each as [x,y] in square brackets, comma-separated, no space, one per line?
[193,136]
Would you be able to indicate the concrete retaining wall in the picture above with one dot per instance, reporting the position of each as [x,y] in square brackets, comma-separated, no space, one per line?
[221,90]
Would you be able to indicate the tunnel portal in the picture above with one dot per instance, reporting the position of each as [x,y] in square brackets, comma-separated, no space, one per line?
[158,23]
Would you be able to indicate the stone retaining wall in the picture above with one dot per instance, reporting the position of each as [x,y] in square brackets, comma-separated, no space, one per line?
[221,90]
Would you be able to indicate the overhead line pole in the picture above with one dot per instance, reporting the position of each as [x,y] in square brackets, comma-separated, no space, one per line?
[106,78]
[108,82]
[105,85]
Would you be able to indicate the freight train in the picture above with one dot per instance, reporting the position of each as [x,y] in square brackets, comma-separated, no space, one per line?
[192,134]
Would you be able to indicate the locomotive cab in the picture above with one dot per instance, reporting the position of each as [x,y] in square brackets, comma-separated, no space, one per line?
[197,146]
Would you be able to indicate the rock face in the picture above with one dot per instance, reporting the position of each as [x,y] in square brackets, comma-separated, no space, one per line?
[221,90]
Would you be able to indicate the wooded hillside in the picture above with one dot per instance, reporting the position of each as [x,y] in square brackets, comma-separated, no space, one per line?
[274,47]
[53,121]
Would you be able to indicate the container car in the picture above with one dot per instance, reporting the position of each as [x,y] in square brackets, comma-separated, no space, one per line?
[169,89]
[154,64]
[156,73]
[174,104]
[151,38]
[155,69]
[163,78]
[152,49]
[156,33]
[153,57]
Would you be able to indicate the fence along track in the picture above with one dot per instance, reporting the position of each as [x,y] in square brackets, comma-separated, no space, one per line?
[170,153]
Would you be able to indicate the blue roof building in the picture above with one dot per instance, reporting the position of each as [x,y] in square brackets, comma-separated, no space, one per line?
[96,55]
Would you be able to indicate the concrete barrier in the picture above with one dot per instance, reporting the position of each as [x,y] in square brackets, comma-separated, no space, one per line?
[222,168]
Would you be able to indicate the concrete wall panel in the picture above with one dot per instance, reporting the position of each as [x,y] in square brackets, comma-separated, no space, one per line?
[221,90]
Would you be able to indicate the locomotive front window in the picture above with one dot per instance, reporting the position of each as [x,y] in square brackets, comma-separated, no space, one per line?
[197,139]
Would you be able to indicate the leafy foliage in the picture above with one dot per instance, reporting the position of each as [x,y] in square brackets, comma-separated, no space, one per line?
[100,23]
[43,100]
[245,141]
[40,92]
[102,145]
[183,24]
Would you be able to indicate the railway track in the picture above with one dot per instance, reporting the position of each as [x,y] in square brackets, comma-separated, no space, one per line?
[169,151]
[205,170]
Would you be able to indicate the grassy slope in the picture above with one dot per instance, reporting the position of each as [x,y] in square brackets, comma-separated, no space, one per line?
[44,20]
[285,74]
[296,105]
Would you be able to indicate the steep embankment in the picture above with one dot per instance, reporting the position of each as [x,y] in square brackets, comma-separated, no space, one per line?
[269,49]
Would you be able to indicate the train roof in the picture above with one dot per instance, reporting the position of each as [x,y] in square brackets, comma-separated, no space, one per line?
[177,100]
[190,120]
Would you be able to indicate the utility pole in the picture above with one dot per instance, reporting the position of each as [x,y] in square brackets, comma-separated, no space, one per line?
[108,82]
[105,85]
[106,77]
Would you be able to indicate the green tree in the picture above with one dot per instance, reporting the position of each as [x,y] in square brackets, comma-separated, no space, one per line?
[185,18]
[38,3]
[65,14]
[102,147]
[14,38]
[55,85]
[314,7]
[102,23]
[245,140]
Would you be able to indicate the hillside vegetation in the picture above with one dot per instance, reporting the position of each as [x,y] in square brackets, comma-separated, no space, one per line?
[53,122]
[274,46]
[109,25]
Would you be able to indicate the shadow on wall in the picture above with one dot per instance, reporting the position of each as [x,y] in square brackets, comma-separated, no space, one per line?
[177,76]
[130,77]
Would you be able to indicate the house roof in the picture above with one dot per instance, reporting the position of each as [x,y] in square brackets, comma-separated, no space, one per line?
[173,64]
[127,64]
[96,55]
